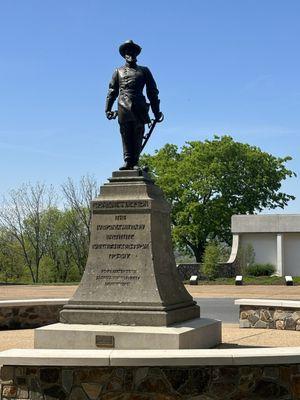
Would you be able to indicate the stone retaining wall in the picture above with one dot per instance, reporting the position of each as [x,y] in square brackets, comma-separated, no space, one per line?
[185,271]
[253,316]
[29,313]
[280,382]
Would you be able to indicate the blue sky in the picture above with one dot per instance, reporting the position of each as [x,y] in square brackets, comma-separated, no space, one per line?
[222,67]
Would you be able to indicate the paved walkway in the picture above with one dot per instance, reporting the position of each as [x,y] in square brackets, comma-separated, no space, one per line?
[13,292]
[232,335]
[247,291]
[213,291]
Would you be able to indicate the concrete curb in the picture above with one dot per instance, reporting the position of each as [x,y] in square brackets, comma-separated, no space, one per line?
[32,302]
[269,303]
[122,358]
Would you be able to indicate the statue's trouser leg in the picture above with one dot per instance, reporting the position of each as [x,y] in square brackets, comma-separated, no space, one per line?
[139,134]
[132,133]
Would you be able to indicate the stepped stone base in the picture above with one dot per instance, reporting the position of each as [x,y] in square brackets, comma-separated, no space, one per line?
[145,317]
[200,333]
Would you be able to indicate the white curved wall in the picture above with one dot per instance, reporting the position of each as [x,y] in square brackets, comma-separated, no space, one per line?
[264,245]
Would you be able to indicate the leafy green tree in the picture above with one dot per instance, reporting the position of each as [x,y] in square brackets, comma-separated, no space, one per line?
[39,241]
[58,246]
[11,262]
[211,259]
[207,182]
[76,237]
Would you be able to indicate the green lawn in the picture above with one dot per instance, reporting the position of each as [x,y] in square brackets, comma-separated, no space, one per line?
[249,280]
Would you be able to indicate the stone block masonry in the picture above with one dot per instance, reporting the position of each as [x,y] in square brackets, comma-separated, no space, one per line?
[130,276]
[186,270]
[269,314]
[24,314]
[257,382]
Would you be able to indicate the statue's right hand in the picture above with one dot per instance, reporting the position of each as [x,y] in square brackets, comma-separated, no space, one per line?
[109,114]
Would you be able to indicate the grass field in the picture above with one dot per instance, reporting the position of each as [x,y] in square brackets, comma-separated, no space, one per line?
[250,280]
[247,280]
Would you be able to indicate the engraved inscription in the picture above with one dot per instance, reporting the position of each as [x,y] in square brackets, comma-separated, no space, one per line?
[120,217]
[121,246]
[120,227]
[98,205]
[120,238]
[119,276]
[119,256]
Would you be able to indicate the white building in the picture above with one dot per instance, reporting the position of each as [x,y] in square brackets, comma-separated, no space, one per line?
[275,239]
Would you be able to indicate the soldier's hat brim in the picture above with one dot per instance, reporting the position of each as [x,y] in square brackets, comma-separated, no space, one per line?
[129,45]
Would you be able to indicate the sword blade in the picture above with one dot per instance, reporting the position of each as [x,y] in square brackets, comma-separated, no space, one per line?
[147,136]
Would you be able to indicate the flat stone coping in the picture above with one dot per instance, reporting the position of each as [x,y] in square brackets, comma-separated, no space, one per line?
[269,303]
[32,302]
[122,358]
[265,223]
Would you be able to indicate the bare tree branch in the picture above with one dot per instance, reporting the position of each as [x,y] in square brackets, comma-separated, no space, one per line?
[21,214]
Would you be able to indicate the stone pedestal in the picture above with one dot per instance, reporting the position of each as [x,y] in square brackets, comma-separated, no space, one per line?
[130,296]
[199,333]
[130,276]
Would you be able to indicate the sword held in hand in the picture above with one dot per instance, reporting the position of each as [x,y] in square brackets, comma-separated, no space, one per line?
[151,126]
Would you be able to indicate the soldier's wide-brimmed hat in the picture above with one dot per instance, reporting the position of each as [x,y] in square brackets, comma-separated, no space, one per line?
[129,45]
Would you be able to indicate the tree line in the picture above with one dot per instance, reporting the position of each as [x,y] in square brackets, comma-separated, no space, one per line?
[44,235]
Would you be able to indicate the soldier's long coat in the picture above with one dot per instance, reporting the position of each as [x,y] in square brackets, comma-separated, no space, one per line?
[127,84]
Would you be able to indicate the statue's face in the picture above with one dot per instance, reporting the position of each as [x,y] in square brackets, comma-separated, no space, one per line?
[130,56]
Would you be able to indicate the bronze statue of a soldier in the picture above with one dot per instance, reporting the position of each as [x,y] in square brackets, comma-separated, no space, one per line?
[127,84]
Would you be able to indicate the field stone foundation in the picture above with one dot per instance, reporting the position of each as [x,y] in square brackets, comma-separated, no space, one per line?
[279,382]
[269,316]
[29,314]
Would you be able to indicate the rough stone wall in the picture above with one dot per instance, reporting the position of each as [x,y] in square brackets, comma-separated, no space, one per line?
[227,270]
[277,382]
[269,317]
[185,271]
[33,316]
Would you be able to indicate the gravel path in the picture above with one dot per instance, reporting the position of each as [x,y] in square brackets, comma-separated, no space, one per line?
[232,335]
[14,292]
[247,291]
[17,339]
[251,291]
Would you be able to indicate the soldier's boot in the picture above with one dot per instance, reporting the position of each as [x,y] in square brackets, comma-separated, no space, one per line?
[127,165]
[135,163]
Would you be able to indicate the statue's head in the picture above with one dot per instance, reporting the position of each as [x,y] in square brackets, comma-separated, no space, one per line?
[130,50]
